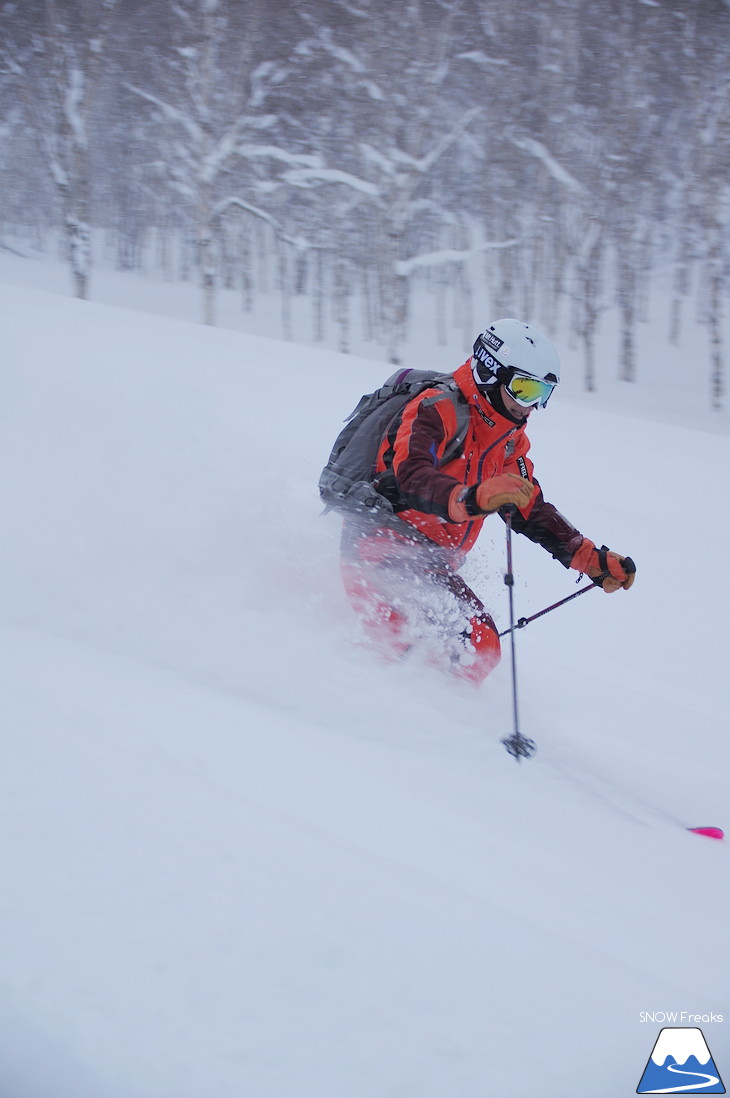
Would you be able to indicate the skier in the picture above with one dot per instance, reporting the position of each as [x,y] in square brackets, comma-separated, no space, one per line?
[401,572]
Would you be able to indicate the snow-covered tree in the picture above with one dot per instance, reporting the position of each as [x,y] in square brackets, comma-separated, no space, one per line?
[701,211]
[511,157]
[388,141]
[60,74]
[214,134]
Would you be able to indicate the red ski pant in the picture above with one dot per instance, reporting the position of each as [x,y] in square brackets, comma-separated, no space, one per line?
[407,595]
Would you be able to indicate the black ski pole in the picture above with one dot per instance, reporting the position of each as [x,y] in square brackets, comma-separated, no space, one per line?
[522,622]
[519,746]
[628,566]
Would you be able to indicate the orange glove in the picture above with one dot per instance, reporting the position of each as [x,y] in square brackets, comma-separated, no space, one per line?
[489,496]
[607,569]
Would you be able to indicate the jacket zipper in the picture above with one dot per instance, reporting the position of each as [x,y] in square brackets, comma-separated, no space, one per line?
[479,477]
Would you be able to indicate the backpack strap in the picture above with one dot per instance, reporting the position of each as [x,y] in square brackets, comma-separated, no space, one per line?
[451,391]
[448,390]
[385,482]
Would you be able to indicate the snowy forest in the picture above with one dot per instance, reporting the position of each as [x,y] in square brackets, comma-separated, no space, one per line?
[564,154]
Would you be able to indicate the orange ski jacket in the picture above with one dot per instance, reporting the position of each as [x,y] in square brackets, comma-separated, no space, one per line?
[416,441]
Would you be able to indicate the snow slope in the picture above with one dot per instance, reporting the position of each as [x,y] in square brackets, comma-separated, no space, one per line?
[241,857]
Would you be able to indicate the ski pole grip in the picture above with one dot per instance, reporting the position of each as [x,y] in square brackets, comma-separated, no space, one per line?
[628,565]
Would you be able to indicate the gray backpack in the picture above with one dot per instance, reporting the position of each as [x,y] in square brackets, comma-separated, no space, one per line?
[348,482]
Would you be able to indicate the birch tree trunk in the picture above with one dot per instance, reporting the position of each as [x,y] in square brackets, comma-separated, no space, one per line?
[341,304]
[77,220]
[715,286]
[626,297]
[60,85]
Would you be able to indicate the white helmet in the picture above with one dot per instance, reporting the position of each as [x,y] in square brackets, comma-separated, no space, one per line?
[510,349]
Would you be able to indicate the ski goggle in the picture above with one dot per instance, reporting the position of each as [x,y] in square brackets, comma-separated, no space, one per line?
[529,390]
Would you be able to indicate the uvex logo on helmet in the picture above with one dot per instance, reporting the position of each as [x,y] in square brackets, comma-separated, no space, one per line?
[482,355]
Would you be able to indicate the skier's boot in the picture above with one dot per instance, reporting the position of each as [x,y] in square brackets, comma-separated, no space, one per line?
[483,650]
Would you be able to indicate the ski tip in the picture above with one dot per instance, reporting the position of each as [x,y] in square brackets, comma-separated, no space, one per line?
[710,832]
